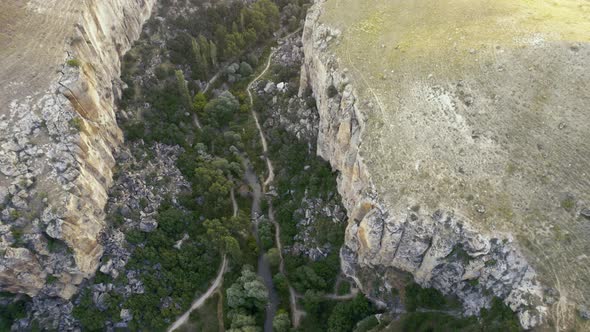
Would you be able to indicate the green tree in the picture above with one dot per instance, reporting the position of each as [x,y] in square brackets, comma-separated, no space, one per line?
[312,301]
[418,297]
[248,292]
[183,89]
[232,247]
[263,16]
[199,63]
[245,69]
[220,38]
[213,53]
[240,320]
[346,314]
[205,51]
[234,45]
[273,257]
[265,233]
[199,103]
[11,312]
[220,111]
[281,322]
[307,278]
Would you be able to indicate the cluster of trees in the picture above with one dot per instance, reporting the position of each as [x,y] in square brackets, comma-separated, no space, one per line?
[346,314]
[173,275]
[246,299]
[204,53]
[499,317]
[418,297]
[325,315]
[15,309]
[227,32]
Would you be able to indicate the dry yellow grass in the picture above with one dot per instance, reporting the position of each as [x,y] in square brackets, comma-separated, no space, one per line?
[481,103]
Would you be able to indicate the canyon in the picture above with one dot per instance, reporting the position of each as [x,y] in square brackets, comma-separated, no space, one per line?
[458,133]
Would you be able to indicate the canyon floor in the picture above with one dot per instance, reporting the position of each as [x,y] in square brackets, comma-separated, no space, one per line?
[272,165]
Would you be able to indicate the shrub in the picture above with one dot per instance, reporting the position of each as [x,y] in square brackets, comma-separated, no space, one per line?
[418,297]
[51,279]
[74,63]
[346,314]
[77,123]
[11,312]
[568,203]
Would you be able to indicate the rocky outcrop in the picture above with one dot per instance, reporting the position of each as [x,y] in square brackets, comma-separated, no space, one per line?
[439,248]
[58,134]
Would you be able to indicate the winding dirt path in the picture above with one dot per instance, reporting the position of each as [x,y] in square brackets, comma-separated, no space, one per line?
[353,293]
[234,203]
[201,300]
[296,314]
[269,166]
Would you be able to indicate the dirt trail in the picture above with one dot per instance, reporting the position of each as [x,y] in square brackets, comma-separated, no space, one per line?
[269,166]
[296,314]
[234,203]
[353,293]
[201,300]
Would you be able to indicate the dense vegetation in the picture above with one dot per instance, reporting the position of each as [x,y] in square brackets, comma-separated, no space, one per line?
[13,309]
[216,133]
[211,162]
[437,316]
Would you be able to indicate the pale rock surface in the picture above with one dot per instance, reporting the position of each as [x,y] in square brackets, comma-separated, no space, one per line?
[58,133]
[442,243]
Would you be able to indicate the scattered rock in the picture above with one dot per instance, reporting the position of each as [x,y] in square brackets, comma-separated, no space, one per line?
[480,208]
[126,315]
[148,225]
[54,229]
[584,312]
[270,87]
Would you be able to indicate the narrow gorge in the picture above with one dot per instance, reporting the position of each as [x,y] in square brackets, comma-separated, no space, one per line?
[277,165]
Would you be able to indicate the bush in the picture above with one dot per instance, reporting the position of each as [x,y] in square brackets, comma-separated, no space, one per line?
[90,318]
[10,313]
[418,297]
[74,63]
[367,324]
[347,314]
[77,123]
[344,288]
[245,69]
[499,318]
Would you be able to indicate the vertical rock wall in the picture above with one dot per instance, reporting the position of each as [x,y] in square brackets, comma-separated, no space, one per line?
[439,249]
[58,134]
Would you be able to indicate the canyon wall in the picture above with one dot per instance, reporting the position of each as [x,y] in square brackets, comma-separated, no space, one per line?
[60,73]
[388,237]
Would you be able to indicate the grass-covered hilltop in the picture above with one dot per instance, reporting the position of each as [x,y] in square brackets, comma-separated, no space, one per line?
[470,112]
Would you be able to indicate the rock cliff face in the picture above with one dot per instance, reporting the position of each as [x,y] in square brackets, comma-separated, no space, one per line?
[60,69]
[441,247]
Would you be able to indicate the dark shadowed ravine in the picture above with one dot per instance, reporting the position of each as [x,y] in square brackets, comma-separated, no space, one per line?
[263,266]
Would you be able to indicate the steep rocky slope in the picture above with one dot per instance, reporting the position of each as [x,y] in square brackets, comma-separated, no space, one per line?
[59,70]
[460,133]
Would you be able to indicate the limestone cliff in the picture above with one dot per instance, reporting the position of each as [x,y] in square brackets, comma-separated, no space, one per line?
[422,228]
[59,77]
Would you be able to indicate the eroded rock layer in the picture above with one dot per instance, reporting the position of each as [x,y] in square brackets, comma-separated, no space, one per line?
[59,77]
[443,168]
